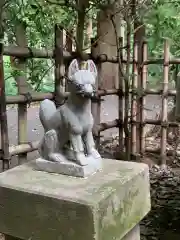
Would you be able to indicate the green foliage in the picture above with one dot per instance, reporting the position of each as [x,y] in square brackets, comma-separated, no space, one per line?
[10,84]
[39,18]
[162,20]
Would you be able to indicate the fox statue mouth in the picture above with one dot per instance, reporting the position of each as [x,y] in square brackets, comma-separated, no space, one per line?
[92,96]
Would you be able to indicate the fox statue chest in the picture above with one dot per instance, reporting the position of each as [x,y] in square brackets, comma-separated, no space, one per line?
[74,120]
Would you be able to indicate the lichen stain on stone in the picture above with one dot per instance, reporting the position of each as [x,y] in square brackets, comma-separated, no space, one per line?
[121,212]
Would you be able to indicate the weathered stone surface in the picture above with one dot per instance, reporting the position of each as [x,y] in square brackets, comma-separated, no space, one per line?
[39,205]
[70,168]
[134,234]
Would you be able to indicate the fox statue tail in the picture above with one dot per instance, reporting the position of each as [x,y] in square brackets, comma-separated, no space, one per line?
[46,111]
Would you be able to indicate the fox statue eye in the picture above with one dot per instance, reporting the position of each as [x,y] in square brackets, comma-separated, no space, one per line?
[94,87]
[78,86]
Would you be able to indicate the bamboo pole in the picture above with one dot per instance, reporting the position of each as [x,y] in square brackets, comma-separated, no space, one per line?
[69,45]
[27,52]
[3,116]
[127,95]
[121,99]
[142,99]
[133,106]
[36,97]
[177,108]
[23,148]
[164,104]
[158,151]
[59,66]
[107,125]
[159,123]
[171,93]
[96,107]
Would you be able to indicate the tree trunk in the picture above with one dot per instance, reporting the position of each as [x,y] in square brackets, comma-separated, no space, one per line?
[107,42]
[82,6]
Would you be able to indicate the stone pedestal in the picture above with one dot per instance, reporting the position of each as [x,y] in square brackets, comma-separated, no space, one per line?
[108,205]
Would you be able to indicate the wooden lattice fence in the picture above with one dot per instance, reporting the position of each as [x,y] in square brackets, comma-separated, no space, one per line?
[138,91]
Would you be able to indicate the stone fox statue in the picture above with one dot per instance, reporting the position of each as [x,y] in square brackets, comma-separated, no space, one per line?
[68,129]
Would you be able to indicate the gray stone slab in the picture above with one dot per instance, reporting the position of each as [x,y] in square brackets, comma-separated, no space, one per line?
[70,168]
[39,205]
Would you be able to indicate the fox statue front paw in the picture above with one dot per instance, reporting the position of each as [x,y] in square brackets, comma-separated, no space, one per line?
[81,159]
[94,153]
[56,157]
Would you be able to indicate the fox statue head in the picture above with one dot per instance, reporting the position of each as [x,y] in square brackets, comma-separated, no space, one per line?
[82,79]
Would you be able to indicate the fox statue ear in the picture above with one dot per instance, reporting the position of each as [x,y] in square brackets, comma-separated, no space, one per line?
[92,67]
[73,68]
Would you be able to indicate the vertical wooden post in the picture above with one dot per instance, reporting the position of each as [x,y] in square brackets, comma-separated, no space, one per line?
[59,65]
[3,116]
[177,108]
[96,107]
[69,45]
[142,99]
[134,98]
[69,41]
[22,89]
[121,100]
[164,118]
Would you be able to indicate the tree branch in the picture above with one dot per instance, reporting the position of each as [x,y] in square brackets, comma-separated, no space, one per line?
[66,3]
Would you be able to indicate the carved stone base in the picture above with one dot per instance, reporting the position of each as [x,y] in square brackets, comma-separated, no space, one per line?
[108,205]
[69,168]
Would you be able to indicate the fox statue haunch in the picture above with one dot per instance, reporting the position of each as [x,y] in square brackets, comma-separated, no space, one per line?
[68,129]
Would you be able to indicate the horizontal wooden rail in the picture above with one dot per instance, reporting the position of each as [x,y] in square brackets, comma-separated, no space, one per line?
[107,125]
[104,92]
[41,96]
[160,123]
[158,150]
[19,52]
[171,93]
[33,146]
[36,97]
[23,148]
